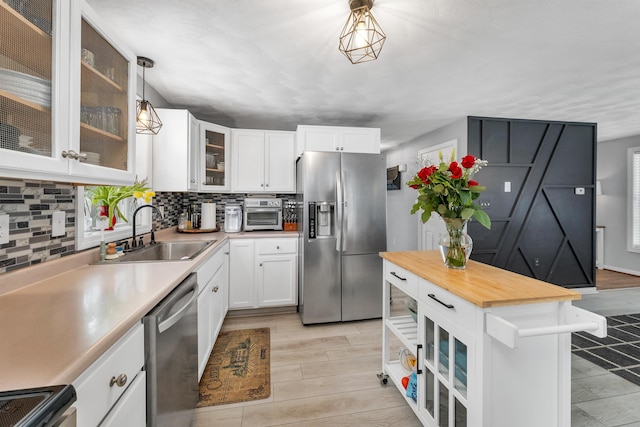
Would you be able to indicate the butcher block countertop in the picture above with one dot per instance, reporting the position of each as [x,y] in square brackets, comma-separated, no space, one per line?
[60,316]
[481,284]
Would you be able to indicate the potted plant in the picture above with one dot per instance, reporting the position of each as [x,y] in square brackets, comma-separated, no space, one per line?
[107,197]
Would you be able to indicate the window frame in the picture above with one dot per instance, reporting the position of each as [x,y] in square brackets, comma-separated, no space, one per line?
[633,199]
[121,231]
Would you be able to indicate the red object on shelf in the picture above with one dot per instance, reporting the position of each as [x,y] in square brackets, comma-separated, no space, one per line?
[405,382]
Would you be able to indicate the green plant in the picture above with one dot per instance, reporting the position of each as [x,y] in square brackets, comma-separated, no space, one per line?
[448,190]
[109,195]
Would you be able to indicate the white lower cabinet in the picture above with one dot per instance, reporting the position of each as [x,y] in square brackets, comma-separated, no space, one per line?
[263,273]
[212,305]
[447,348]
[502,364]
[114,385]
[127,412]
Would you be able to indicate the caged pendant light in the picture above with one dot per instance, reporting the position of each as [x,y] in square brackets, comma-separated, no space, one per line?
[147,120]
[362,38]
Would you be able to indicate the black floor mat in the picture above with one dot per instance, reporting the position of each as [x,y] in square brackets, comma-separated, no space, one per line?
[619,352]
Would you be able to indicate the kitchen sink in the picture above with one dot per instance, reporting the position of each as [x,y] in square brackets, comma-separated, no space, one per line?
[165,251]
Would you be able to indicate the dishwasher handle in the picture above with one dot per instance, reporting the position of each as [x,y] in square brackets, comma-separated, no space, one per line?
[175,317]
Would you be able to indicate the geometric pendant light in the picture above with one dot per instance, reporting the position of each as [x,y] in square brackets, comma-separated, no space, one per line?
[362,38]
[147,120]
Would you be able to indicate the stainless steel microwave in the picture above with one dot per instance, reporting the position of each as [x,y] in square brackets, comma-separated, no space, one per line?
[262,214]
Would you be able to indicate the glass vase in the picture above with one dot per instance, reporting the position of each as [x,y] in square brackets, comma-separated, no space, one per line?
[455,244]
[104,211]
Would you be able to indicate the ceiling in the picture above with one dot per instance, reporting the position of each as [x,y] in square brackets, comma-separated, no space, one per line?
[273,64]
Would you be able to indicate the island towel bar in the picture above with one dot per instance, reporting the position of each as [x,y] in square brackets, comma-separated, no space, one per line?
[579,320]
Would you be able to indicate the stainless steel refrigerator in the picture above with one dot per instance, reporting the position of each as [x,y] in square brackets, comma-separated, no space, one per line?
[342,223]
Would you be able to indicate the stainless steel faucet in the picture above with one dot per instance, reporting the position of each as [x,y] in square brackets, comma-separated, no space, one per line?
[134,244]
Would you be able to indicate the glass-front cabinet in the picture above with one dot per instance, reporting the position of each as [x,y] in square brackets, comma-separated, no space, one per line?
[213,157]
[443,391]
[102,104]
[66,95]
[30,87]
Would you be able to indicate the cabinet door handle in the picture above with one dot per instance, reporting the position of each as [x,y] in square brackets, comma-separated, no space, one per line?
[226,253]
[433,297]
[70,154]
[418,348]
[215,289]
[277,247]
[266,185]
[261,185]
[120,381]
[404,279]
[82,157]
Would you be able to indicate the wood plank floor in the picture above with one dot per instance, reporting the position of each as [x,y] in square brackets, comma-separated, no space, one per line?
[607,279]
[321,375]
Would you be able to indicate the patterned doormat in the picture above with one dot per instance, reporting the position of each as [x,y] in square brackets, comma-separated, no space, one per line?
[619,352]
[238,369]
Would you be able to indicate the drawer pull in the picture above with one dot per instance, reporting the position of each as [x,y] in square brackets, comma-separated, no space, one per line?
[404,279]
[433,297]
[418,348]
[277,247]
[216,289]
[120,381]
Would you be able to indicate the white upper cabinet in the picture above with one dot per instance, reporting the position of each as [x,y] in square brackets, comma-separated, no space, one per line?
[189,154]
[174,151]
[262,161]
[333,138]
[67,95]
[213,158]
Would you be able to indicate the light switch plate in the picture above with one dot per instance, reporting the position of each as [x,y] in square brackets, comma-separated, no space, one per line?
[4,229]
[57,223]
[507,186]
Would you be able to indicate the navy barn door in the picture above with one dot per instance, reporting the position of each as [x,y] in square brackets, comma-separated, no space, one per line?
[544,227]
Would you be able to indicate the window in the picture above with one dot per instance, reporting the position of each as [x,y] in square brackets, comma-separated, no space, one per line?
[88,236]
[633,237]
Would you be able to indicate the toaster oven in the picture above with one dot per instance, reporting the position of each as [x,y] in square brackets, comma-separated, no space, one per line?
[262,214]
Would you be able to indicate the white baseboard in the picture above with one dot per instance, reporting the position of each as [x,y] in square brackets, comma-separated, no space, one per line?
[586,290]
[622,270]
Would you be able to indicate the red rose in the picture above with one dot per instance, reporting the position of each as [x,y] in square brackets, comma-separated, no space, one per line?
[468,161]
[423,174]
[456,171]
[472,183]
[426,172]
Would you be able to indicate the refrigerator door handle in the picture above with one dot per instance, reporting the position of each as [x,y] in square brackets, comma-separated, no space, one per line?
[338,211]
[345,213]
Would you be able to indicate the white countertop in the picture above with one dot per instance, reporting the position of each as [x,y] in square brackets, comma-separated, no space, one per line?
[56,326]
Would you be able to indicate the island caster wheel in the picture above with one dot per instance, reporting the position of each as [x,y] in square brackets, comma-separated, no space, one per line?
[384,378]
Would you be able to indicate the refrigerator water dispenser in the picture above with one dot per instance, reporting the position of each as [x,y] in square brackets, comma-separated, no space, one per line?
[321,220]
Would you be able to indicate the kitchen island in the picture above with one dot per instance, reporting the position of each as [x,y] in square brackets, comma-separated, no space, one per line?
[493,347]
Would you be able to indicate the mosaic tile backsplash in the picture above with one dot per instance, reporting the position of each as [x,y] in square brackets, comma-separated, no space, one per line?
[30,205]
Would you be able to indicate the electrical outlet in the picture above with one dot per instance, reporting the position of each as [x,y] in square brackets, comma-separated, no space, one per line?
[507,186]
[536,262]
[4,229]
[579,191]
[161,209]
[57,224]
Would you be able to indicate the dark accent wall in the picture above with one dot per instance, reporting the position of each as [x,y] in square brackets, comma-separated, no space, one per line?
[542,228]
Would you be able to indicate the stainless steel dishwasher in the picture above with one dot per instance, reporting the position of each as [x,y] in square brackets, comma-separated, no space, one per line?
[171,357]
